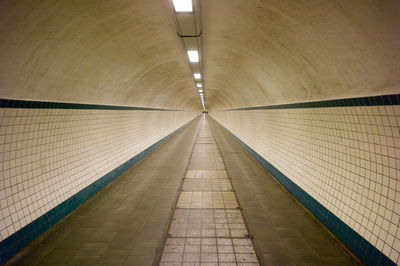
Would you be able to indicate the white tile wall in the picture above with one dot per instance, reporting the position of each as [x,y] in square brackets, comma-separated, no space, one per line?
[49,155]
[347,158]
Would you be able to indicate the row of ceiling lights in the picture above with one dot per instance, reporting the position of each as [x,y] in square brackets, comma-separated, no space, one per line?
[187,14]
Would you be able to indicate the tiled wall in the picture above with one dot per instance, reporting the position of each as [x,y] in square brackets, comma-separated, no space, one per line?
[48,155]
[347,158]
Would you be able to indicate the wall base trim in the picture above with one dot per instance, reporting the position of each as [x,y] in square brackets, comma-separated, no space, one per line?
[24,236]
[364,250]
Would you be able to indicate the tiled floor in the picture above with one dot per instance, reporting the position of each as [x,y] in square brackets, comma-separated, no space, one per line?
[127,222]
[207,199]
[206,184]
[206,173]
[207,223]
[209,251]
[207,227]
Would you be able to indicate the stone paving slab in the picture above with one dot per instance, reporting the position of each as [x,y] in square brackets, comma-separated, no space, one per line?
[207,223]
[201,199]
[206,174]
[218,251]
[206,184]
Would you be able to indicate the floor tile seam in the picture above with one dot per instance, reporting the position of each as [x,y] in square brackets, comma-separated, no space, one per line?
[157,257]
[258,255]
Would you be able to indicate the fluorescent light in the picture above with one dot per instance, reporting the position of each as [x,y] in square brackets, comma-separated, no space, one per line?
[200,90]
[183,5]
[193,56]
[197,76]
[199,85]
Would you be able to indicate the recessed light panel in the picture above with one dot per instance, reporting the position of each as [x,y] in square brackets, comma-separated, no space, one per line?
[183,5]
[193,56]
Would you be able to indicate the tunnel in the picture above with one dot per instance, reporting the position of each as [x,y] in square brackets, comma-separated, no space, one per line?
[200,132]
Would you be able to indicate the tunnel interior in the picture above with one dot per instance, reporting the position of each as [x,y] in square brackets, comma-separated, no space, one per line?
[311,89]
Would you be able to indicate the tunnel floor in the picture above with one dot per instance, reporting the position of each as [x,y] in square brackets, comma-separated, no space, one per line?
[207,225]
[198,199]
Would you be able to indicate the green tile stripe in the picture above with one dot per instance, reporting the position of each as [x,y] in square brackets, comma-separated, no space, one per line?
[25,235]
[393,99]
[9,103]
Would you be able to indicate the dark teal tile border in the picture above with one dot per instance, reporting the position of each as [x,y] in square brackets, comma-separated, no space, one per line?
[8,103]
[356,243]
[21,238]
[393,99]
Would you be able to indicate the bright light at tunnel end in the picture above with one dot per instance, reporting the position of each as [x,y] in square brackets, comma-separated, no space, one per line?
[183,5]
[193,56]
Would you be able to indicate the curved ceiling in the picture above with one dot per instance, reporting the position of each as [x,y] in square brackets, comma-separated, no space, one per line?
[280,51]
[256,52]
[103,52]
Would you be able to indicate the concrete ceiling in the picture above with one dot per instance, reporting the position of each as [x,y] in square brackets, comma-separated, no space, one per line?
[255,52]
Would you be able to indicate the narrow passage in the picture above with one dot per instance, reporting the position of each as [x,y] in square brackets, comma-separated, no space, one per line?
[207,227]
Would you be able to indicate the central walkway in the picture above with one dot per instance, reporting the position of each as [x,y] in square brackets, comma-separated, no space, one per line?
[207,225]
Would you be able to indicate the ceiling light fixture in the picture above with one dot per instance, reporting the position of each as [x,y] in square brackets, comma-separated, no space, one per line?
[183,5]
[200,90]
[193,56]
[187,15]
